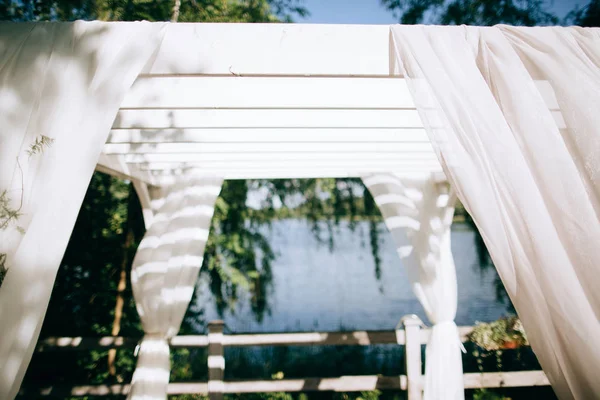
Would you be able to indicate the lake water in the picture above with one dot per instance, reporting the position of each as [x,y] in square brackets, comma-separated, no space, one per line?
[318,289]
[315,289]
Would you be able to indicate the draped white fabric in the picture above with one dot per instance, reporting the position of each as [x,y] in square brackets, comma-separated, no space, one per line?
[164,274]
[60,87]
[514,115]
[418,212]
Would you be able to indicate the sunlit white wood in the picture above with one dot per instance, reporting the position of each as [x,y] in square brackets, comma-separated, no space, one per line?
[278,49]
[267,92]
[141,188]
[297,164]
[175,135]
[257,157]
[308,157]
[116,166]
[250,147]
[183,118]
[412,358]
[169,176]
[505,379]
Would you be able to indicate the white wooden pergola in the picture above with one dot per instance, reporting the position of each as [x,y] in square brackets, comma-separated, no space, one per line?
[269,101]
[256,101]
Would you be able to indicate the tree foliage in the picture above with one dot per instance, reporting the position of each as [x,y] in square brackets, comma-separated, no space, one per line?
[587,16]
[472,12]
[238,255]
[152,10]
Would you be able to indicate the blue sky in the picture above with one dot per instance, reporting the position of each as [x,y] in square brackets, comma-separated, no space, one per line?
[371,12]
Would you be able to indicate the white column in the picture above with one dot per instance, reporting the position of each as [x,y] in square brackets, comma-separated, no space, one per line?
[412,356]
[418,212]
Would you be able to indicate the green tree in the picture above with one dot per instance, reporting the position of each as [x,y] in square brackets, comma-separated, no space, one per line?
[152,10]
[90,297]
[486,13]
[237,254]
[587,16]
[472,12]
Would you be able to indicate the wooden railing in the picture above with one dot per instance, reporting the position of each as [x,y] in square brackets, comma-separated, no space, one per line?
[412,337]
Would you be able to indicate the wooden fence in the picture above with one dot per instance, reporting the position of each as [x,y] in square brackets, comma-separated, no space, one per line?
[412,337]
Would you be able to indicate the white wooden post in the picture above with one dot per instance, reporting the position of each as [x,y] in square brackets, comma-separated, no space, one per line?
[412,356]
[216,360]
[141,188]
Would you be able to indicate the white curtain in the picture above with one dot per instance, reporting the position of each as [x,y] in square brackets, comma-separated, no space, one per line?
[60,88]
[164,274]
[418,212]
[514,114]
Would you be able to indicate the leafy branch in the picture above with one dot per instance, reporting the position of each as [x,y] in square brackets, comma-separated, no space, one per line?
[8,214]
[39,144]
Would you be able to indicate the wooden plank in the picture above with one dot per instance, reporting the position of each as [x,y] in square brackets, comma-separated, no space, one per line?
[505,379]
[275,118]
[81,343]
[274,49]
[188,388]
[143,193]
[360,338]
[258,157]
[63,391]
[414,380]
[189,341]
[267,92]
[273,166]
[244,166]
[164,173]
[169,177]
[271,147]
[341,384]
[216,360]
[296,118]
[262,135]
[463,332]
[116,166]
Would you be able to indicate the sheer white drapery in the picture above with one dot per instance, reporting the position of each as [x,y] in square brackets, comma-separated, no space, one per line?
[164,274]
[60,88]
[513,113]
[418,212]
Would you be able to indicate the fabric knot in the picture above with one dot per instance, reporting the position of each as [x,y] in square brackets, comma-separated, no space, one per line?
[451,325]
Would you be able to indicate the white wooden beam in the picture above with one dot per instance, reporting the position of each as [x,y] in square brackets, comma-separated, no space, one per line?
[141,188]
[256,157]
[266,118]
[192,149]
[290,165]
[169,176]
[340,384]
[116,166]
[505,379]
[280,135]
[274,49]
[307,158]
[267,92]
